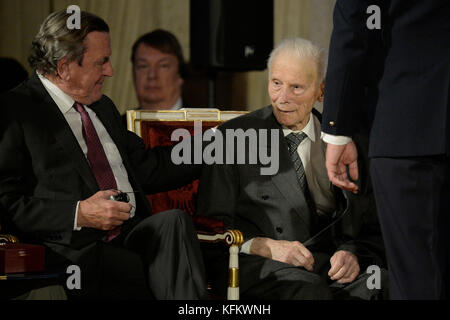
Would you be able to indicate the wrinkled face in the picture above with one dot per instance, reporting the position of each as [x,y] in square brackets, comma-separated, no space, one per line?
[85,82]
[156,78]
[293,89]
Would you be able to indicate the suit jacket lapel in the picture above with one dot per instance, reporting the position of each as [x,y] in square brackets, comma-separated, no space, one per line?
[62,132]
[286,179]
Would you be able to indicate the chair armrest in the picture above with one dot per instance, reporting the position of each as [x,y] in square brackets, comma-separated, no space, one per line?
[230,237]
[211,230]
[234,239]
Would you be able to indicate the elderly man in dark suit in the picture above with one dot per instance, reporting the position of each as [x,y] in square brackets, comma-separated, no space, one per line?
[64,154]
[304,239]
[410,130]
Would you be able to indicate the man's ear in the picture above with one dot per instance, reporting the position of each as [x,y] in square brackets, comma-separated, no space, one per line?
[63,70]
[133,73]
[322,91]
[180,81]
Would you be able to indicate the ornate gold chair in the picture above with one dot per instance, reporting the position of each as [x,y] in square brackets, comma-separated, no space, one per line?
[155,128]
[7,238]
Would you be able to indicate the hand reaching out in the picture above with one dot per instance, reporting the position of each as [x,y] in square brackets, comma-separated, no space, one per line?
[336,160]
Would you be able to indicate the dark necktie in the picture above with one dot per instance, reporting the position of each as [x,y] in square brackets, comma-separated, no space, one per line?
[293,140]
[97,158]
[96,155]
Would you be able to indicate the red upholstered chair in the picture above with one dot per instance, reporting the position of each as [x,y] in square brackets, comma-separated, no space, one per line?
[155,128]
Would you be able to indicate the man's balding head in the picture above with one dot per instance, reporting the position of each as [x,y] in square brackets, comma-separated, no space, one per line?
[296,71]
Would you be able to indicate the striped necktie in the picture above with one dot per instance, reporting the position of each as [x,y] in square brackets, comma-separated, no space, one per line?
[293,140]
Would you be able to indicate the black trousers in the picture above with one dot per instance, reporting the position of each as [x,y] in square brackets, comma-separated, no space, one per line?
[265,279]
[159,258]
[413,201]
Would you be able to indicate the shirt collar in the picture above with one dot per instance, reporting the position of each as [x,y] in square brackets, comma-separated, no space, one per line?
[62,99]
[178,105]
[308,129]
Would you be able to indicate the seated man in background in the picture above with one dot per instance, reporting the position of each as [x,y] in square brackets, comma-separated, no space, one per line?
[64,154]
[289,253]
[158,71]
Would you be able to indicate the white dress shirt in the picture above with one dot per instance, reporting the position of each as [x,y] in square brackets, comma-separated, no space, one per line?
[337,140]
[65,104]
[318,183]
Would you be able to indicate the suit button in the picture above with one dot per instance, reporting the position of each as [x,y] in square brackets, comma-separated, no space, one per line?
[332,123]
[279,229]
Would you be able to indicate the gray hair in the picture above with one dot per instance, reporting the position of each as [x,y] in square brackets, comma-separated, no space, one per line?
[301,48]
[55,40]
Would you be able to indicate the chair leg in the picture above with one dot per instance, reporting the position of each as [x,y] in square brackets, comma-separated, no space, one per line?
[233,277]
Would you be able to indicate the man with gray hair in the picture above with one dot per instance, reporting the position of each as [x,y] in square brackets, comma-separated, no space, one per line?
[65,156]
[304,239]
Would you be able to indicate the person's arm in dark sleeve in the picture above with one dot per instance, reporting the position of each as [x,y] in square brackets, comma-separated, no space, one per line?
[347,66]
[218,193]
[28,213]
[154,168]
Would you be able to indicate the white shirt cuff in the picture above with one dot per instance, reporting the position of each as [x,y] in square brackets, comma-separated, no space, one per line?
[245,248]
[337,140]
[75,227]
